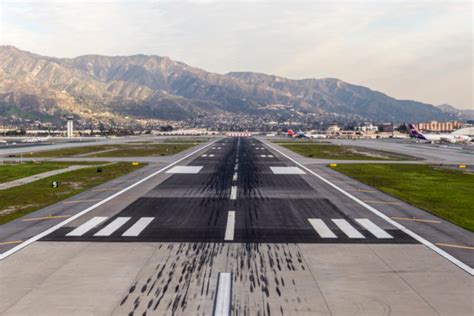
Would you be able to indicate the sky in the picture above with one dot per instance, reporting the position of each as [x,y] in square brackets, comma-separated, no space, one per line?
[420,50]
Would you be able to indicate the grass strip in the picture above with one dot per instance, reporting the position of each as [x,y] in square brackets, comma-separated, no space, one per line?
[21,200]
[446,193]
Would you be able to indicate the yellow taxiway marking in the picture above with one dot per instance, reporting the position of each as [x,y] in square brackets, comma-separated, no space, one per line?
[106,189]
[383,202]
[417,220]
[455,246]
[11,242]
[360,190]
[80,201]
[44,218]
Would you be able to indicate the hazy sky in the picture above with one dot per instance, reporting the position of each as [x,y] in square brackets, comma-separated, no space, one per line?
[421,50]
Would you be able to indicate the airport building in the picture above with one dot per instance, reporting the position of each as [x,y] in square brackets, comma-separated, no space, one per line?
[435,126]
[70,127]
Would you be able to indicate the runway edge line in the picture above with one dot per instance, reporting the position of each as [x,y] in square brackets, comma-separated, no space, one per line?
[412,234]
[87,210]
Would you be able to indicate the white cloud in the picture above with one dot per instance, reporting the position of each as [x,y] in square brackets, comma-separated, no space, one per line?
[421,51]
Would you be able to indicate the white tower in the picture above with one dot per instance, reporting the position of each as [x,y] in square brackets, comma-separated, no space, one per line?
[70,128]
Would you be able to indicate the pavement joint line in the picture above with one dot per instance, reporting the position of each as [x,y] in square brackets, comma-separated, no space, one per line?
[375,211]
[44,218]
[417,220]
[222,304]
[81,201]
[230,227]
[11,242]
[455,246]
[90,208]
[105,189]
[383,202]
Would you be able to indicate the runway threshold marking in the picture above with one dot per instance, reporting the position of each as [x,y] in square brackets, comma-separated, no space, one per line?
[185,169]
[138,227]
[84,228]
[455,246]
[229,230]
[11,242]
[417,220]
[110,228]
[224,294]
[321,228]
[287,170]
[373,229]
[44,218]
[347,228]
[93,207]
[375,211]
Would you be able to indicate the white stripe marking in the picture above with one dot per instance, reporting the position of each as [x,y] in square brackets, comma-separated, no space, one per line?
[236,167]
[234,178]
[271,156]
[373,229]
[93,207]
[84,228]
[321,228]
[211,155]
[223,296]
[185,169]
[229,230]
[138,227]
[109,229]
[205,155]
[287,170]
[372,209]
[233,192]
[347,228]
[263,156]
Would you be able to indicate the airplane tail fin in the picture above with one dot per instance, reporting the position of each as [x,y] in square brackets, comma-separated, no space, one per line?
[414,132]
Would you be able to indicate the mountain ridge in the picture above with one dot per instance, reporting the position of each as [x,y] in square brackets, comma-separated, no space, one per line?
[154,87]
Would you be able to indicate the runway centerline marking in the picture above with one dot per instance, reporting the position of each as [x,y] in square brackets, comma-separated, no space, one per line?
[373,229]
[138,227]
[109,229]
[375,211]
[234,178]
[233,192]
[84,228]
[321,228]
[229,230]
[347,228]
[44,218]
[224,294]
[93,207]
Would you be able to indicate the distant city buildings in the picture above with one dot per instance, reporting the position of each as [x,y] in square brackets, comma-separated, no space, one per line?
[435,126]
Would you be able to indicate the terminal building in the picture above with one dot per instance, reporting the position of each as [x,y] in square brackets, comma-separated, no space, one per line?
[442,127]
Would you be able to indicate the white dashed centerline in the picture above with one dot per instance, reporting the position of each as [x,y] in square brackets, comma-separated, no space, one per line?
[229,230]
[233,192]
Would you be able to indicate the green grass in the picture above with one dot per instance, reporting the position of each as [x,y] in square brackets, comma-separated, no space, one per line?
[446,193]
[10,172]
[329,151]
[21,200]
[120,150]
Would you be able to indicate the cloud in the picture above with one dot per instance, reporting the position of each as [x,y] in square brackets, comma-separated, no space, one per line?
[419,50]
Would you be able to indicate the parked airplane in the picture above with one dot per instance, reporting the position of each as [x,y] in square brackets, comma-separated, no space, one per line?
[449,138]
[36,139]
[292,133]
[3,142]
[317,136]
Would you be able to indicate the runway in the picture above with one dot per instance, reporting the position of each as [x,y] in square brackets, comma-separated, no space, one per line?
[236,228]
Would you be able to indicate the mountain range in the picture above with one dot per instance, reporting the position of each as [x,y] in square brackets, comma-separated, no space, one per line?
[98,87]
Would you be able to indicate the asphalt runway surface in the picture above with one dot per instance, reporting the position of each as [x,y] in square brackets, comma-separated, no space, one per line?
[236,228]
[271,208]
